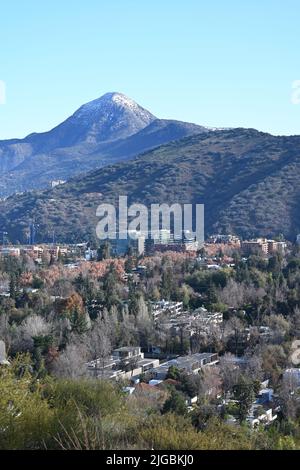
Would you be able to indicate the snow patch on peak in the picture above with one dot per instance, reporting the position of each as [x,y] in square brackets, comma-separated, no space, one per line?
[123,100]
[109,103]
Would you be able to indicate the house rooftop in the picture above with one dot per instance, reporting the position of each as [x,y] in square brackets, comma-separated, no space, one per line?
[143,387]
[187,362]
[126,349]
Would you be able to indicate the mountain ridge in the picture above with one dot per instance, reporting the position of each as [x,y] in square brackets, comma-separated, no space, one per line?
[95,135]
[249,182]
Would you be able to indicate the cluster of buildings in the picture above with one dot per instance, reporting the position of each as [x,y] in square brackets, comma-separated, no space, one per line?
[139,243]
[124,363]
[166,307]
[10,251]
[129,363]
[36,252]
[207,319]
[191,364]
[55,183]
[258,246]
[262,246]
[175,320]
[225,239]
[160,241]
[262,412]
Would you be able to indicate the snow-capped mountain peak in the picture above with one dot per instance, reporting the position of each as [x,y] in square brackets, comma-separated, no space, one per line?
[112,116]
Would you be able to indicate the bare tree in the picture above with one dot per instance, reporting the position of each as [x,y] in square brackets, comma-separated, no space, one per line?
[236,331]
[144,322]
[233,294]
[289,398]
[211,382]
[229,372]
[98,343]
[33,325]
[253,368]
[279,326]
[72,361]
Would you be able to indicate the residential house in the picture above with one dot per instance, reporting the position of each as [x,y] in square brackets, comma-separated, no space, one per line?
[166,307]
[190,364]
[124,363]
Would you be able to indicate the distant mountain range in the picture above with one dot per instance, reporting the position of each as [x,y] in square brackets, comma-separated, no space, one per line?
[249,182]
[105,131]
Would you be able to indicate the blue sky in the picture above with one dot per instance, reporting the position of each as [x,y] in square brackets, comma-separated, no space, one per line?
[219,63]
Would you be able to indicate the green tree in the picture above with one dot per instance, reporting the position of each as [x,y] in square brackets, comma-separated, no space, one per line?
[244,393]
[104,251]
[13,287]
[173,373]
[78,321]
[167,283]
[175,404]
[110,287]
